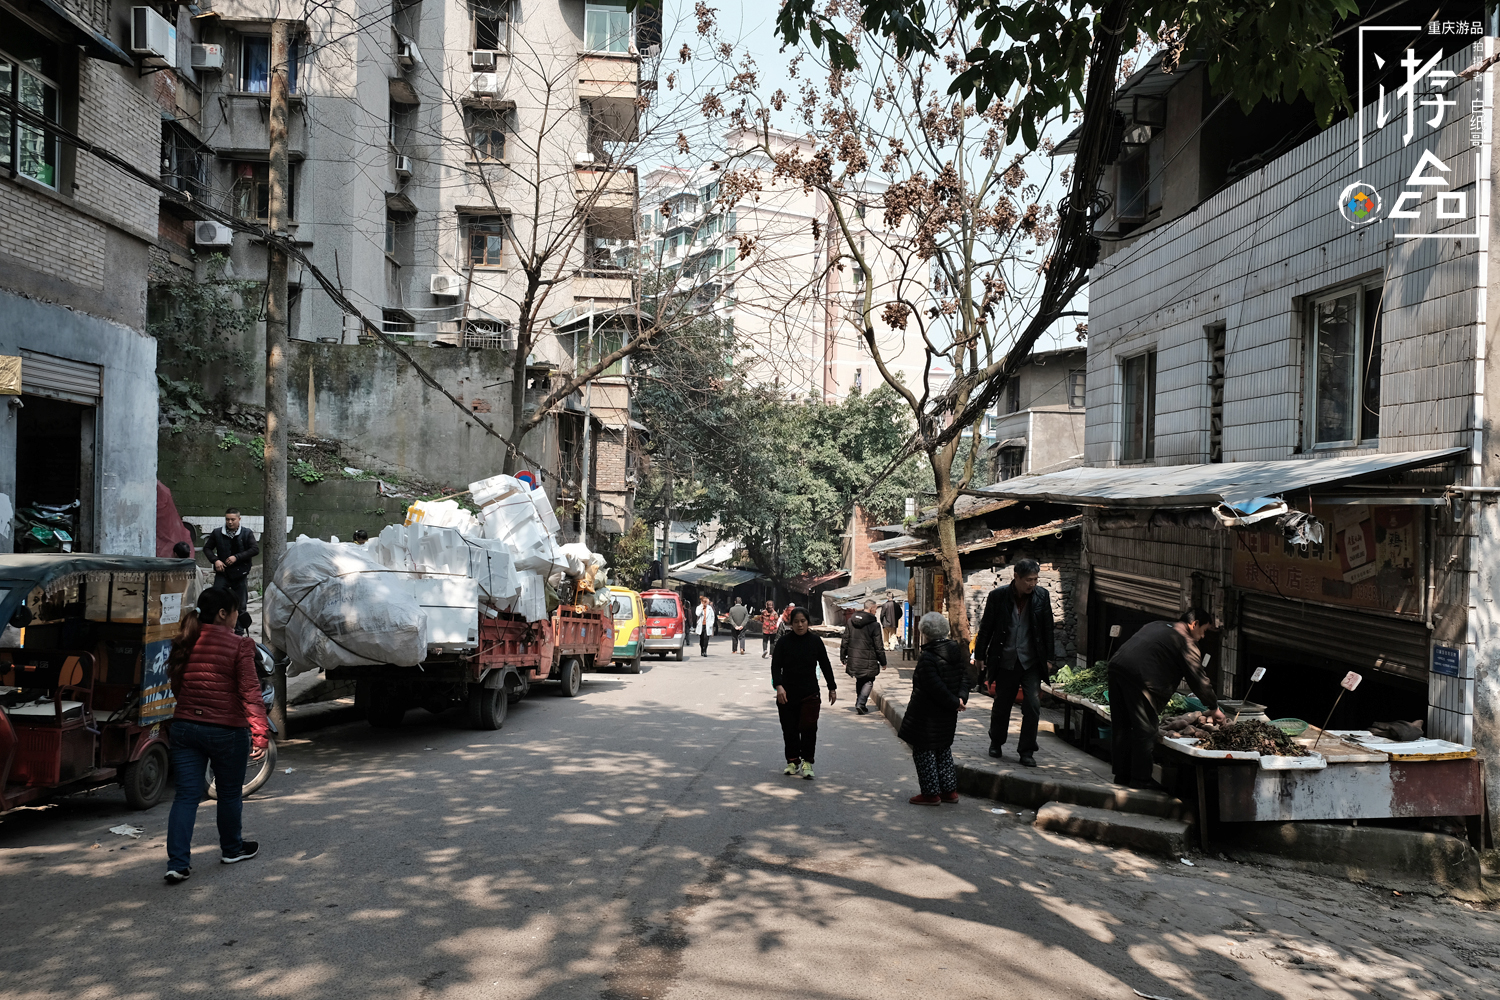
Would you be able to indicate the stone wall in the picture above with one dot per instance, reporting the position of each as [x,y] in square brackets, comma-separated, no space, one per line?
[1061,575]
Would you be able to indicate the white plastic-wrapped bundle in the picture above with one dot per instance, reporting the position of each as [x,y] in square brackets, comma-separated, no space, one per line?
[333,605]
[576,556]
[493,566]
[543,505]
[442,514]
[532,602]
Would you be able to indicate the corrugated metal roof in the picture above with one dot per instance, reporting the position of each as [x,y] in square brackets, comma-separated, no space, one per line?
[726,578]
[808,582]
[1208,485]
[1004,538]
[899,542]
[689,575]
[874,587]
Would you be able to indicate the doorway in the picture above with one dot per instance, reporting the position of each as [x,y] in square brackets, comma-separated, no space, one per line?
[55,468]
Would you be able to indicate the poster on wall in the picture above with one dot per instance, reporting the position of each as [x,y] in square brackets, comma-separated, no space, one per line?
[1371,557]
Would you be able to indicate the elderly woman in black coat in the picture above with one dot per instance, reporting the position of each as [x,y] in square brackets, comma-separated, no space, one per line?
[940,690]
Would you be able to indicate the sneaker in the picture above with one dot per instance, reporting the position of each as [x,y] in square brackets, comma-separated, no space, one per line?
[791,768]
[248,849]
[173,876]
[925,800]
[1027,760]
[950,797]
[807,770]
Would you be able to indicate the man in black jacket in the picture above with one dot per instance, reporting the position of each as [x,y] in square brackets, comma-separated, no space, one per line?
[231,549]
[1014,648]
[863,654]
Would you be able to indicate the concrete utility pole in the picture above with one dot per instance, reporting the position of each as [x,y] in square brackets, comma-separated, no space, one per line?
[273,536]
[588,422]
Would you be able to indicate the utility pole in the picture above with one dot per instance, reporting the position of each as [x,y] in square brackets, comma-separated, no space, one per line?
[588,422]
[666,531]
[273,535]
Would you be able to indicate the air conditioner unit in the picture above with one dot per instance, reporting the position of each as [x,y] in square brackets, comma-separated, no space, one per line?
[208,57]
[404,54]
[403,167]
[152,37]
[212,234]
[447,285]
[482,59]
[484,84]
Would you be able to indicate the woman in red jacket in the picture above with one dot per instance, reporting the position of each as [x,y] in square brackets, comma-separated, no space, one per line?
[219,716]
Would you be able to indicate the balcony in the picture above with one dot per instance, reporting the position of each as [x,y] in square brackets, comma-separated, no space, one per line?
[608,86]
[246,130]
[607,197]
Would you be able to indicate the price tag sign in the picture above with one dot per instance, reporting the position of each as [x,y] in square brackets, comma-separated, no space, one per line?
[1259,673]
[1351,681]
[1114,631]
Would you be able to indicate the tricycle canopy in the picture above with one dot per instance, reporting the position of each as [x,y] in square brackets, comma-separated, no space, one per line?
[20,575]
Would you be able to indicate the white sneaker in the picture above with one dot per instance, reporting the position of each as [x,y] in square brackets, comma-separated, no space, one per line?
[172,877]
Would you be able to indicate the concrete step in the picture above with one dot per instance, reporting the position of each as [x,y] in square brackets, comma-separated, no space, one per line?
[1151,834]
[1033,787]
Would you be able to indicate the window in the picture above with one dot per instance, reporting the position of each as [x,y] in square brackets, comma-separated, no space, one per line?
[31,83]
[1012,395]
[606,26]
[1216,392]
[1012,463]
[397,321]
[255,65]
[489,334]
[486,240]
[487,131]
[183,165]
[491,24]
[1344,366]
[1138,416]
[390,235]
[606,341]
[1140,174]
[1077,386]
[250,195]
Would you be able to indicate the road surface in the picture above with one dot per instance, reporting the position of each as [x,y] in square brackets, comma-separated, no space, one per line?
[639,842]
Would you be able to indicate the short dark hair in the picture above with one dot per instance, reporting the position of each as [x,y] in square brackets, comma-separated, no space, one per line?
[1195,616]
[182,551]
[799,611]
[232,510]
[361,535]
[1027,567]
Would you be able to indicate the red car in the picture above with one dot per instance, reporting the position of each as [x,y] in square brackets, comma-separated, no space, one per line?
[666,625]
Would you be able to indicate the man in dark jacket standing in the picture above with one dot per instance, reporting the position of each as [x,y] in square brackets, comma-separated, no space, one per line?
[862,653]
[890,620]
[1143,673]
[1014,648]
[232,549]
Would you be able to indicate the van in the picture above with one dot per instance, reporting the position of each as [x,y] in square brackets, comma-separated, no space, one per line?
[666,626]
[628,611]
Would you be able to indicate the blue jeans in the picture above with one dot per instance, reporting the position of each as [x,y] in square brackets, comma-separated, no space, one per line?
[194,745]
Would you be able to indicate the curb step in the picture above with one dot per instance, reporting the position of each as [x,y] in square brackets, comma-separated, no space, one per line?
[1152,834]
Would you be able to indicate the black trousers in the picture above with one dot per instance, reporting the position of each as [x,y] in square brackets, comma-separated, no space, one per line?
[799,726]
[1132,729]
[767,642]
[1007,682]
[862,688]
[239,586]
[703,643]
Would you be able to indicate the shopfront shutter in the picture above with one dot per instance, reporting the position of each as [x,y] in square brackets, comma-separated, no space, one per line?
[1360,640]
[1144,593]
[60,378]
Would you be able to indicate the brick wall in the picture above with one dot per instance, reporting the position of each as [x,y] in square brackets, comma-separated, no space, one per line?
[1062,575]
[116,115]
[49,238]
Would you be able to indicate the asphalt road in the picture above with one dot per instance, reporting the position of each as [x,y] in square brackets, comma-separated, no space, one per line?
[639,842]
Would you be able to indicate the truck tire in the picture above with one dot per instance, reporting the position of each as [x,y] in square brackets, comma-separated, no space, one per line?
[487,707]
[145,780]
[255,779]
[387,710]
[570,677]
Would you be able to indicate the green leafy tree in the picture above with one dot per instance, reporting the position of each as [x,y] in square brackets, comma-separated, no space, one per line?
[199,324]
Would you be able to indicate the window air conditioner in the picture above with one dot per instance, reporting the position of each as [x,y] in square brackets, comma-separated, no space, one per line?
[446,285]
[207,58]
[152,37]
[483,59]
[403,167]
[212,234]
[484,85]
[404,54]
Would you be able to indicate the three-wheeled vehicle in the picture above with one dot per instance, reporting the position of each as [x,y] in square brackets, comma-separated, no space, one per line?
[83,673]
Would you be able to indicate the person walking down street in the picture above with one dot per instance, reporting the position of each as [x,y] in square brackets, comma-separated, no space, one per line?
[770,622]
[890,621]
[795,663]
[704,623]
[1143,673]
[219,719]
[862,653]
[1015,644]
[231,549]
[739,621]
[939,691]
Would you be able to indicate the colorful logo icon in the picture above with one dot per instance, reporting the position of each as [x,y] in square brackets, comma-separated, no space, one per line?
[1360,203]
[528,477]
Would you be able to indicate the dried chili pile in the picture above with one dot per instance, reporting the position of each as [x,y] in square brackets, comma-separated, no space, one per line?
[1253,736]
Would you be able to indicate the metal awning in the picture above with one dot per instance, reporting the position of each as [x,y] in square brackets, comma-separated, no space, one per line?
[808,582]
[1003,538]
[725,579]
[899,542]
[692,575]
[1209,485]
[874,587]
[96,43]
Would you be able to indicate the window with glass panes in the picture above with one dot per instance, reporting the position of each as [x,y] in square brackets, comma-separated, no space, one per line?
[255,65]
[29,78]
[488,128]
[491,20]
[1138,409]
[485,236]
[606,26]
[1343,365]
[250,193]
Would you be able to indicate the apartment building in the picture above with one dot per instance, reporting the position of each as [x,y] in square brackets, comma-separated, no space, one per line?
[77,372]
[796,318]
[1300,317]
[437,146]
[1037,425]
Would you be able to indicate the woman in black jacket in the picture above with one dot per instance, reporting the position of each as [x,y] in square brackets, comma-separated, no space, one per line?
[795,662]
[940,690]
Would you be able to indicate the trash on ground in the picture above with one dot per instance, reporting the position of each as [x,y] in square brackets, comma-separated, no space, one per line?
[1187,862]
[95,846]
[1000,812]
[124,830]
[289,770]
[1148,996]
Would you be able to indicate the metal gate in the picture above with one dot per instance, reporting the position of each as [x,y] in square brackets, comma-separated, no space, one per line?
[60,378]
[1143,593]
[1363,641]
